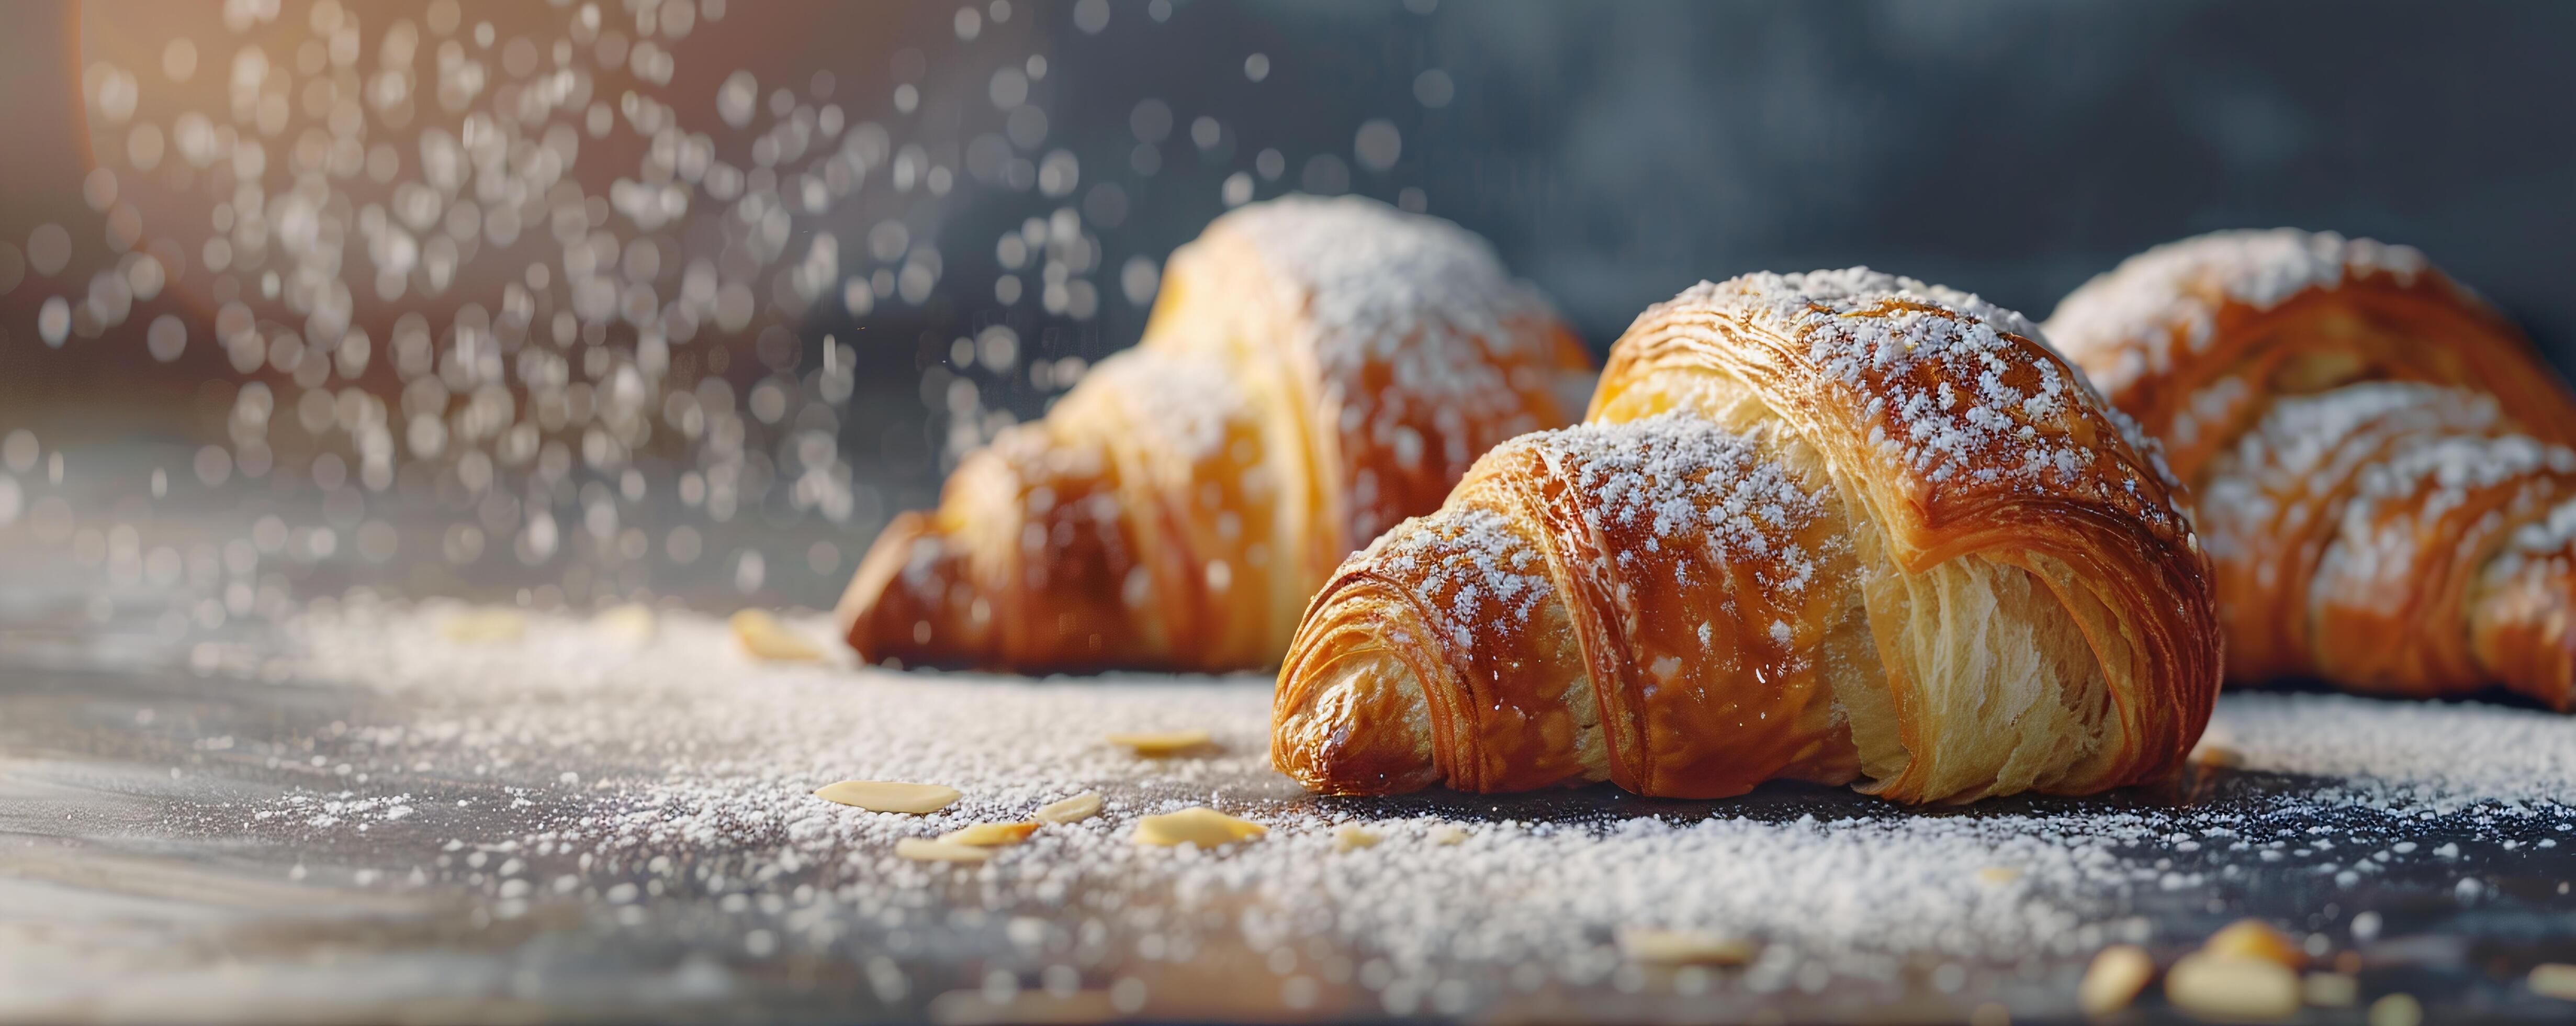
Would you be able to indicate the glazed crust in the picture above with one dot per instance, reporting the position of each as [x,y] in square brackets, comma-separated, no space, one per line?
[2379,459]
[1313,371]
[1838,527]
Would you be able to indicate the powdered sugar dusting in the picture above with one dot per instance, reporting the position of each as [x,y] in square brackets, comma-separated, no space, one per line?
[2396,503]
[2125,324]
[2416,758]
[2392,537]
[2545,541]
[2303,435]
[696,767]
[1429,351]
[1688,481]
[2306,445]
[1186,398]
[1956,390]
[1380,282]
[1474,567]
[2383,461]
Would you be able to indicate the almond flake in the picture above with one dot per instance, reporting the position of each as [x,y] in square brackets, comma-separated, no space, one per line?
[483,626]
[1071,810]
[2554,979]
[1353,837]
[2254,938]
[633,622]
[2397,1010]
[2114,979]
[765,637]
[888,796]
[923,849]
[1201,826]
[1157,745]
[2232,987]
[990,835]
[1685,947]
[2330,990]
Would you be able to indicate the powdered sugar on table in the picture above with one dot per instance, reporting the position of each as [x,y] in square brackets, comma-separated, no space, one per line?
[636,775]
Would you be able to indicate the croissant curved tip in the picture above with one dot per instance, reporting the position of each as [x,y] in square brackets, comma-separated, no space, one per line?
[1347,716]
[2523,635]
[862,611]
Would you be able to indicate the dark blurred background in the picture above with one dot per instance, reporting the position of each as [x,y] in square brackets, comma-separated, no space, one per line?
[1615,153]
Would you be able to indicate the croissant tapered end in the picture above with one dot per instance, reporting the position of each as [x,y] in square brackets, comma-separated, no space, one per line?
[910,604]
[896,602]
[914,602]
[2525,633]
[1029,563]
[1348,710]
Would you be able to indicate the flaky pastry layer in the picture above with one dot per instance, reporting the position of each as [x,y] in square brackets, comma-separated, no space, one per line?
[2380,461]
[1314,370]
[1840,527]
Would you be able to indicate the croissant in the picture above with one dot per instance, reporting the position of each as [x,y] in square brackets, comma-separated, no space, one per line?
[1840,527]
[2380,458]
[1313,371]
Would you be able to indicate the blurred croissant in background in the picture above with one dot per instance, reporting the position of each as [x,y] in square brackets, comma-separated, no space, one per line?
[1840,527]
[1314,371]
[2380,460]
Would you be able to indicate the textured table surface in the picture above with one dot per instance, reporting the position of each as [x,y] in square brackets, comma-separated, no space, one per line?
[285,825]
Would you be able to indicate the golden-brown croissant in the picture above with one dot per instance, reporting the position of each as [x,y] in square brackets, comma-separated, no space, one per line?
[1838,527]
[1314,371]
[2379,459]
